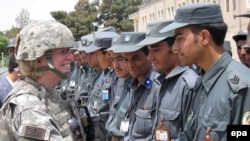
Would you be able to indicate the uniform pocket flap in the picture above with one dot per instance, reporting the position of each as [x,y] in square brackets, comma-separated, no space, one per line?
[143,113]
[169,114]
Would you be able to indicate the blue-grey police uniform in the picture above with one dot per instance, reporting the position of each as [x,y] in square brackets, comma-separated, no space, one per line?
[175,98]
[142,108]
[119,105]
[221,99]
[83,82]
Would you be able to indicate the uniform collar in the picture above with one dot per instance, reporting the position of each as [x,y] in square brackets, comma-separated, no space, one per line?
[209,78]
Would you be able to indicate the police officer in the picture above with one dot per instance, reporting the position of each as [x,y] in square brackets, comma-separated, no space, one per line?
[246,47]
[32,111]
[11,46]
[200,32]
[83,79]
[119,96]
[99,92]
[177,81]
[137,123]
[240,40]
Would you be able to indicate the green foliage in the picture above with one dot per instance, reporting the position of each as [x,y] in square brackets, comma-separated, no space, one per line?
[115,13]
[12,32]
[88,16]
[78,21]
[3,44]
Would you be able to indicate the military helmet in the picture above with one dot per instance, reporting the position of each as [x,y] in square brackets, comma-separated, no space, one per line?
[39,37]
[12,42]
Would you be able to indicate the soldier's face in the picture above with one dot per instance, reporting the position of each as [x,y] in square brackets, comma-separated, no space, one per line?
[137,63]
[119,65]
[187,45]
[61,59]
[161,56]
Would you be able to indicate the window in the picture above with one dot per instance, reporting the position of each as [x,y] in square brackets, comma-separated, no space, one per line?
[169,13]
[234,5]
[227,5]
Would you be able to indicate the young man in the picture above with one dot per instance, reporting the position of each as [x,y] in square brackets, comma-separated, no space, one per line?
[240,40]
[177,81]
[32,111]
[222,92]
[246,47]
[7,82]
[99,92]
[137,122]
[119,97]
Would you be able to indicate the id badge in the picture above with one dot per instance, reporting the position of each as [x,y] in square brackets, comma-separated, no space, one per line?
[95,106]
[161,135]
[124,126]
[105,94]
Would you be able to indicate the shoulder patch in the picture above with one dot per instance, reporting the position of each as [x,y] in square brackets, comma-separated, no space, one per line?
[31,131]
[236,81]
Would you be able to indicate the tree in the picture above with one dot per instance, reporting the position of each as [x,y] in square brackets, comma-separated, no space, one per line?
[12,32]
[23,18]
[3,44]
[115,13]
[78,21]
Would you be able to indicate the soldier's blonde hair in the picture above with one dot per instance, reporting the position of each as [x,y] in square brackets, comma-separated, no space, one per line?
[29,68]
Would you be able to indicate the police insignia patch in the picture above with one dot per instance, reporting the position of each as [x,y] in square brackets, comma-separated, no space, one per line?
[127,38]
[246,118]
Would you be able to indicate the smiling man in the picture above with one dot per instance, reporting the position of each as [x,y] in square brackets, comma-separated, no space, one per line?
[140,116]
[177,81]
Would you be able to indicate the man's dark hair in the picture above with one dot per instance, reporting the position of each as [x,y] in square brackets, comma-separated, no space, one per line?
[12,63]
[145,50]
[170,41]
[217,30]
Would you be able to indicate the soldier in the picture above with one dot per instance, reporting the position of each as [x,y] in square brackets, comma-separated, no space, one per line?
[177,81]
[200,32]
[32,111]
[98,105]
[137,122]
[240,40]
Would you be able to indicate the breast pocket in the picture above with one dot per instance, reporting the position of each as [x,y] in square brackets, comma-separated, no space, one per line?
[217,126]
[143,125]
[172,120]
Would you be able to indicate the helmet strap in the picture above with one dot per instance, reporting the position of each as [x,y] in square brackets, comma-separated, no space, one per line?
[53,69]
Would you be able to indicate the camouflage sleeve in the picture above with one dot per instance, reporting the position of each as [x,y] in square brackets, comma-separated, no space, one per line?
[32,121]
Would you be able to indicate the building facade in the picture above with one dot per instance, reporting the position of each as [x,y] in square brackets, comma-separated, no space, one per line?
[154,10]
